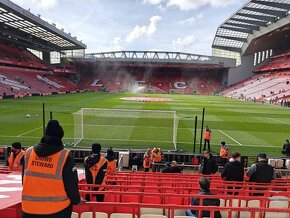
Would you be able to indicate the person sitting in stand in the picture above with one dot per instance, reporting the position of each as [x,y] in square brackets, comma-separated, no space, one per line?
[167,168]
[204,185]
[175,168]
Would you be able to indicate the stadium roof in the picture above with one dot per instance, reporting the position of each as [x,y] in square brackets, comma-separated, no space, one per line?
[149,55]
[157,57]
[235,32]
[24,27]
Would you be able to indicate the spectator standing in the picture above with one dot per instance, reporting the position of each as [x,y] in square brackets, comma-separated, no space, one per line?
[53,197]
[261,171]
[16,158]
[224,153]
[208,164]
[204,184]
[207,138]
[95,170]
[234,170]
[286,148]
[146,162]
[135,163]
[112,163]
[157,157]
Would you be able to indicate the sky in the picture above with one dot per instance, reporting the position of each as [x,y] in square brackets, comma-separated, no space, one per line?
[141,25]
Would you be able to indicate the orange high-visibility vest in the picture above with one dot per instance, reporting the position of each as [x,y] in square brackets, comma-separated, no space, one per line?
[43,188]
[111,167]
[95,170]
[207,135]
[14,163]
[147,162]
[157,157]
[223,152]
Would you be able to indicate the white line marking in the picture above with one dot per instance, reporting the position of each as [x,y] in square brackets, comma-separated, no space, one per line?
[278,121]
[230,137]
[35,137]
[29,131]
[6,111]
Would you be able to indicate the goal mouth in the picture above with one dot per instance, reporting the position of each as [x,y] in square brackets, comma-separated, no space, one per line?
[146,99]
[125,127]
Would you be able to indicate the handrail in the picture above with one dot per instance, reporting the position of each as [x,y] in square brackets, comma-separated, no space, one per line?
[136,207]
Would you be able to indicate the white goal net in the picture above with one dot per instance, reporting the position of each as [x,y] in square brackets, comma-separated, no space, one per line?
[123,127]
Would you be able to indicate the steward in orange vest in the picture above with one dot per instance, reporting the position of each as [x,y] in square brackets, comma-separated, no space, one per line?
[224,153]
[50,180]
[157,157]
[146,162]
[207,138]
[111,166]
[95,170]
[16,159]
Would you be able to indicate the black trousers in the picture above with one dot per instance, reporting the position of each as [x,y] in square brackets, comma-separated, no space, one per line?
[99,197]
[206,141]
[156,168]
[146,169]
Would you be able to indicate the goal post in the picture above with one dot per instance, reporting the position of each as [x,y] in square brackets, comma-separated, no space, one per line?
[115,127]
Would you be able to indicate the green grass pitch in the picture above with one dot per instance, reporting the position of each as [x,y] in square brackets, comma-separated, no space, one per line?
[245,126]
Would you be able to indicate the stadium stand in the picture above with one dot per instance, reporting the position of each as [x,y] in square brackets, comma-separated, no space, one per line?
[276,63]
[16,56]
[21,72]
[166,195]
[262,87]
[159,81]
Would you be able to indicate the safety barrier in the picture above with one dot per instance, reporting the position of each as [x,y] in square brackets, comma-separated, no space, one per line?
[232,209]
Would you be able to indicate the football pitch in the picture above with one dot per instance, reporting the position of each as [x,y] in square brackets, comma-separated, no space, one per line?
[246,127]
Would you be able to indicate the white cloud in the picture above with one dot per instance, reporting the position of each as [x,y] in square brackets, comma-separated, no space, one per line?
[57,24]
[153,2]
[115,45]
[143,31]
[191,19]
[43,4]
[185,43]
[186,5]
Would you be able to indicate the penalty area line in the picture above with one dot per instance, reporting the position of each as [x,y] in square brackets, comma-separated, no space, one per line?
[279,121]
[230,137]
[29,131]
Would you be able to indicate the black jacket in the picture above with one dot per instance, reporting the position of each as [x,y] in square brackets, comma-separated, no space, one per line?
[261,172]
[233,171]
[209,166]
[91,161]
[166,170]
[207,202]
[286,148]
[176,169]
[47,147]
[172,170]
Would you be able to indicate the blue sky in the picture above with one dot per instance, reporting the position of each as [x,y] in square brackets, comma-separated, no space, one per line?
[165,25]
